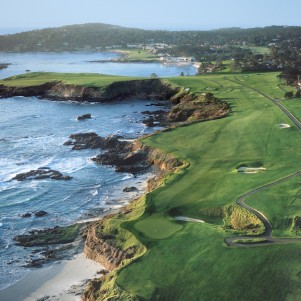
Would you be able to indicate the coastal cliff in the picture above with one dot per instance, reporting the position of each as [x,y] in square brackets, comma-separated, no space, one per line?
[145,88]
[99,249]
[108,241]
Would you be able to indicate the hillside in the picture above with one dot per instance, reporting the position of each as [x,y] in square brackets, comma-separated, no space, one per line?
[98,36]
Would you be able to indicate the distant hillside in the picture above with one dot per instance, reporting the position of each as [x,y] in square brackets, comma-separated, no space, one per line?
[98,36]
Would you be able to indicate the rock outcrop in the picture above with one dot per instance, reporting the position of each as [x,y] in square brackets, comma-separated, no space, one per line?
[130,189]
[189,107]
[41,174]
[85,141]
[126,156]
[4,66]
[84,117]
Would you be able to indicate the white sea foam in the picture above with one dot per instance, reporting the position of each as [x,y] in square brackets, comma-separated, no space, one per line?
[11,167]
[94,192]
[127,177]
[70,165]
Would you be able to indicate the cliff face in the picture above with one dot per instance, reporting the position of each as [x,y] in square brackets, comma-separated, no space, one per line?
[148,88]
[40,90]
[100,250]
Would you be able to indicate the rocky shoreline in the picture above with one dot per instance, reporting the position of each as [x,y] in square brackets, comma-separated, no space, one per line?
[127,156]
[145,89]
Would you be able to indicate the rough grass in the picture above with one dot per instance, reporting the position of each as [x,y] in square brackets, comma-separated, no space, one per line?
[296,225]
[242,221]
[250,241]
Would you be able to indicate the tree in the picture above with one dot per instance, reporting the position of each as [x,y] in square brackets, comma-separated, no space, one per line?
[182,74]
[154,75]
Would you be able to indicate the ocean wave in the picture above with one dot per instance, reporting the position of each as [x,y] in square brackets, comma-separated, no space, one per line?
[94,192]
[127,177]
[70,165]
[11,167]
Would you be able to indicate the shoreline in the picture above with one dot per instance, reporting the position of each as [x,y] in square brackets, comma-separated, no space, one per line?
[63,280]
[66,279]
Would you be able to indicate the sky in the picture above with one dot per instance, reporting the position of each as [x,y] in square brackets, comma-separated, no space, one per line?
[149,14]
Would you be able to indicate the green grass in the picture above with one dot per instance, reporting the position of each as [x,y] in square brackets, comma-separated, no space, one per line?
[194,263]
[138,55]
[157,227]
[82,79]
[256,49]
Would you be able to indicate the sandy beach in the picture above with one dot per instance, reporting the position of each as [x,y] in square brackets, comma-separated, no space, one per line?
[63,281]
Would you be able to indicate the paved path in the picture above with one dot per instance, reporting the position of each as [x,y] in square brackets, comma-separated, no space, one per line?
[267,236]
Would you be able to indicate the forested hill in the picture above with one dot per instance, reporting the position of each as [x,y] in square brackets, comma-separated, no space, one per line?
[97,35]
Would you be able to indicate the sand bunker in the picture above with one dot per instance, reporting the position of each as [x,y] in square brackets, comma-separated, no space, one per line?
[283,125]
[250,170]
[188,219]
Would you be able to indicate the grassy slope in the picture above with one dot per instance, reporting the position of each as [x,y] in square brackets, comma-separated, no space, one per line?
[194,263]
[256,49]
[138,55]
[83,79]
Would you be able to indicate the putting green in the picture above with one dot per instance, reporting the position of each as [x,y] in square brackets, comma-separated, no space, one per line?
[157,227]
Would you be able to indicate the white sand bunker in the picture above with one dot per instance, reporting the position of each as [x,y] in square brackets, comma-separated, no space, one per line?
[188,219]
[250,170]
[283,125]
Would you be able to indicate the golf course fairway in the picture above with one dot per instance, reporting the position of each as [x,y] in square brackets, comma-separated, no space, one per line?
[194,263]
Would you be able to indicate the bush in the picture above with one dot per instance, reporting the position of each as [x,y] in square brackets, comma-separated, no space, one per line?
[289,94]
